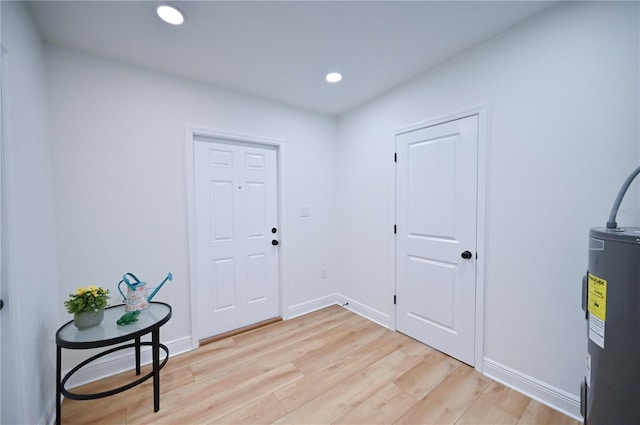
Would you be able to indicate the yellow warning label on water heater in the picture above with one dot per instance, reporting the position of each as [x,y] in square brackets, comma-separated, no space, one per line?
[597,299]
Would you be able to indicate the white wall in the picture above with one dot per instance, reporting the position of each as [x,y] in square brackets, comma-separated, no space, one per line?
[33,298]
[562,95]
[118,136]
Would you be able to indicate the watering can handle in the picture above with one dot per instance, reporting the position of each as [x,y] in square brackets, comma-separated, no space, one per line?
[126,280]
[120,290]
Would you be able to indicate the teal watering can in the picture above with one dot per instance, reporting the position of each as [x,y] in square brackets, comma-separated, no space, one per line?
[137,296]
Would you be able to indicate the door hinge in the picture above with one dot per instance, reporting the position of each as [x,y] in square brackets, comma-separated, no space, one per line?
[395,229]
[395,157]
[394,299]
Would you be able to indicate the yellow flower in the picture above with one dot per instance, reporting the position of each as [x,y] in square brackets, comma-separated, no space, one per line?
[91,298]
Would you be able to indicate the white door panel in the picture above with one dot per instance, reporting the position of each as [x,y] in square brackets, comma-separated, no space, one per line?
[436,191]
[236,208]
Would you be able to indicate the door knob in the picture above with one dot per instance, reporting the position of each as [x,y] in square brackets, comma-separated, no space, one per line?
[466,255]
[1,304]
[274,230]
[274,242]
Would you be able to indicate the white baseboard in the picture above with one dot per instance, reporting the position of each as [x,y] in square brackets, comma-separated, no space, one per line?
[365,311]
[546,394]
[122,361]
[309,306]
[339,299]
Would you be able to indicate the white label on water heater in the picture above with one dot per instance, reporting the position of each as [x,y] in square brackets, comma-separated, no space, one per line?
[596,330]
[597,307]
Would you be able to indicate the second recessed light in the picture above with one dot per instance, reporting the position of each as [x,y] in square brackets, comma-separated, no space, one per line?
[333,77]
[170,14]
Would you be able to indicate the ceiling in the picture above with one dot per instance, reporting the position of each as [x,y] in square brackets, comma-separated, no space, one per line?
[281,50]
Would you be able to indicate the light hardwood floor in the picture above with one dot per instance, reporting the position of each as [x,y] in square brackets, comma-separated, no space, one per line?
[330,366]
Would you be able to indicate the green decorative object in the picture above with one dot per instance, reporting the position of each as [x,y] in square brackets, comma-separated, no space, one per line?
[129,318]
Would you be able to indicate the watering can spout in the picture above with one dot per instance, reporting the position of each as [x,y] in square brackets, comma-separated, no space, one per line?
[169,277]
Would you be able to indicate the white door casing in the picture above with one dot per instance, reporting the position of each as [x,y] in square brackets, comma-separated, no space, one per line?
[14,407]
[436,213]
[236,207]
[2,206]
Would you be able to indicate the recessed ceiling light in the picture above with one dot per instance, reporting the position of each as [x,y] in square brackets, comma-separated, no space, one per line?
[170,14]
[333,77]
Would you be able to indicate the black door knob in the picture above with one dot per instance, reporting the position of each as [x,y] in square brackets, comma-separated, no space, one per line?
[466,255]
[1,304]
[274,230]
[274,242]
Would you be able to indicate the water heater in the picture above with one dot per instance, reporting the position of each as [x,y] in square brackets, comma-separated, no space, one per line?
[611,299]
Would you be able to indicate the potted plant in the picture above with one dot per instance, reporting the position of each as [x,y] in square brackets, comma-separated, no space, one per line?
[87,306]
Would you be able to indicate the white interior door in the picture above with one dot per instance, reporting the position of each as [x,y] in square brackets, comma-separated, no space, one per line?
[236,201]
[436,189]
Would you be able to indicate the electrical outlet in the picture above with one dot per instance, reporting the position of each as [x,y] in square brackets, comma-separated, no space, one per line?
[305,211]
[323,273]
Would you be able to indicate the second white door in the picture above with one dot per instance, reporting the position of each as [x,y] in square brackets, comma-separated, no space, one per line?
[436,191]
[236,199]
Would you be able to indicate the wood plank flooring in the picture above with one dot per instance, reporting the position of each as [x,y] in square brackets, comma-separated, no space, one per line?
[327,367]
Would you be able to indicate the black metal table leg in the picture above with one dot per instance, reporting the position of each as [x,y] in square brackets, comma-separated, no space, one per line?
[58,384]
[137,348]
[155,348]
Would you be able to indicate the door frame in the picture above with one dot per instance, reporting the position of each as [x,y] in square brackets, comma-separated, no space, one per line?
[14,406]
[193,132]
[481,112]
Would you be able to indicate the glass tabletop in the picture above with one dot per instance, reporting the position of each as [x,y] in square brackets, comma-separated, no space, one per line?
[109,332]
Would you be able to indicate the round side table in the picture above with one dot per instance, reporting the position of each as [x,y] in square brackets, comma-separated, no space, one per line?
[106,334]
